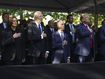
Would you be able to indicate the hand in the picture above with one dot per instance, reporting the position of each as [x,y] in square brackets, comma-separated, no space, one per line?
[65,42]
[19,34]
[16,35]
[68,60]
[44,35]
[46,54]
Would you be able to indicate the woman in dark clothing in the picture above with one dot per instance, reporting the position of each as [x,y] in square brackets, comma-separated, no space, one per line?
[19,42]
[13,44]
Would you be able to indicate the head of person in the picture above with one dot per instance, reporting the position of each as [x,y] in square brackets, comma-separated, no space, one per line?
[70,19]
[51,24]
[85,18]
[10,18]
[5,17]
[38,16]
[60,25]
[14,22]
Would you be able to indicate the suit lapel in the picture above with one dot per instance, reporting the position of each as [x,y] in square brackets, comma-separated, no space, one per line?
[58,36]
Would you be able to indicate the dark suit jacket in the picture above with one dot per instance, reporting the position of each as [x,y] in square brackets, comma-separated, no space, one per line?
[102,40]
[2,26]
[4,35]
[83,46]
[57,43]
[1,30]
[68,30]
[34,37]
[49,38]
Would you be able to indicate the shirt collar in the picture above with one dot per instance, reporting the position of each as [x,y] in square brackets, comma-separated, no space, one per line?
[70,24]
[37,24]
[59,31]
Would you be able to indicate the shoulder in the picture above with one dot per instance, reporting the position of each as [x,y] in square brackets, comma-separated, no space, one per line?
[80,26]
[74,25]
[67,25]
[1,24]
[55,34]
[102,28]
[66,35]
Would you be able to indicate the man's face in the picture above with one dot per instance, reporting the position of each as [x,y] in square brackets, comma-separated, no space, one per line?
[51,24]
[6,18]
[70,19]
[61,25]
[40,16]
[10,18]
[86,19]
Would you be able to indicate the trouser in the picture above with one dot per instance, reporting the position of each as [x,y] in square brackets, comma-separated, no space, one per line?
[31,60]
[82,59]
[58,57]
[50,57]
[72,55]
[7,58]
[37,58]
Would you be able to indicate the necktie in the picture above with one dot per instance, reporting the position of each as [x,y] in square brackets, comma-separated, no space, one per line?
[62,36]
[73,35]
[72,28]
[52,30]
[5,25]
[40,28]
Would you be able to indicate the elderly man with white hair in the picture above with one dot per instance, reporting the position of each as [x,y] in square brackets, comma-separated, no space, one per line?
[36,37]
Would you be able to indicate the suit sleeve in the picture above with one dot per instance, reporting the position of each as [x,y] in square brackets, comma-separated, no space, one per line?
[83,32]
[102,35]
[56,44]
[7,40]
[33,36]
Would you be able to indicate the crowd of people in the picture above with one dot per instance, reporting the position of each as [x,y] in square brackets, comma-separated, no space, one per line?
[30,42]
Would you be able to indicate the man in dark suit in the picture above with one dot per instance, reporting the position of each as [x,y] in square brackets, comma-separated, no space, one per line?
[84,39]
[36,37]
[60,44]
[49,30]
[70,29]
[102,42]
[3,26]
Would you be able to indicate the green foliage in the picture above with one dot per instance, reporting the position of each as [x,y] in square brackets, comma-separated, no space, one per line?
[56,15]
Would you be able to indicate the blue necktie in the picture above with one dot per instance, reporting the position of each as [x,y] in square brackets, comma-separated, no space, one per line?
[73,35]
[62,36]
[40,28]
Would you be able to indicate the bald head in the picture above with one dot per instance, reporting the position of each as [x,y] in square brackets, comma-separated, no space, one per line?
[38,15]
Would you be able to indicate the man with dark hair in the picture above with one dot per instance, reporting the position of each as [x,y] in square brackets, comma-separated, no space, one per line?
[70,30]
[102,42]
[3,26]
[5,18]
[84,34]
[49,30]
